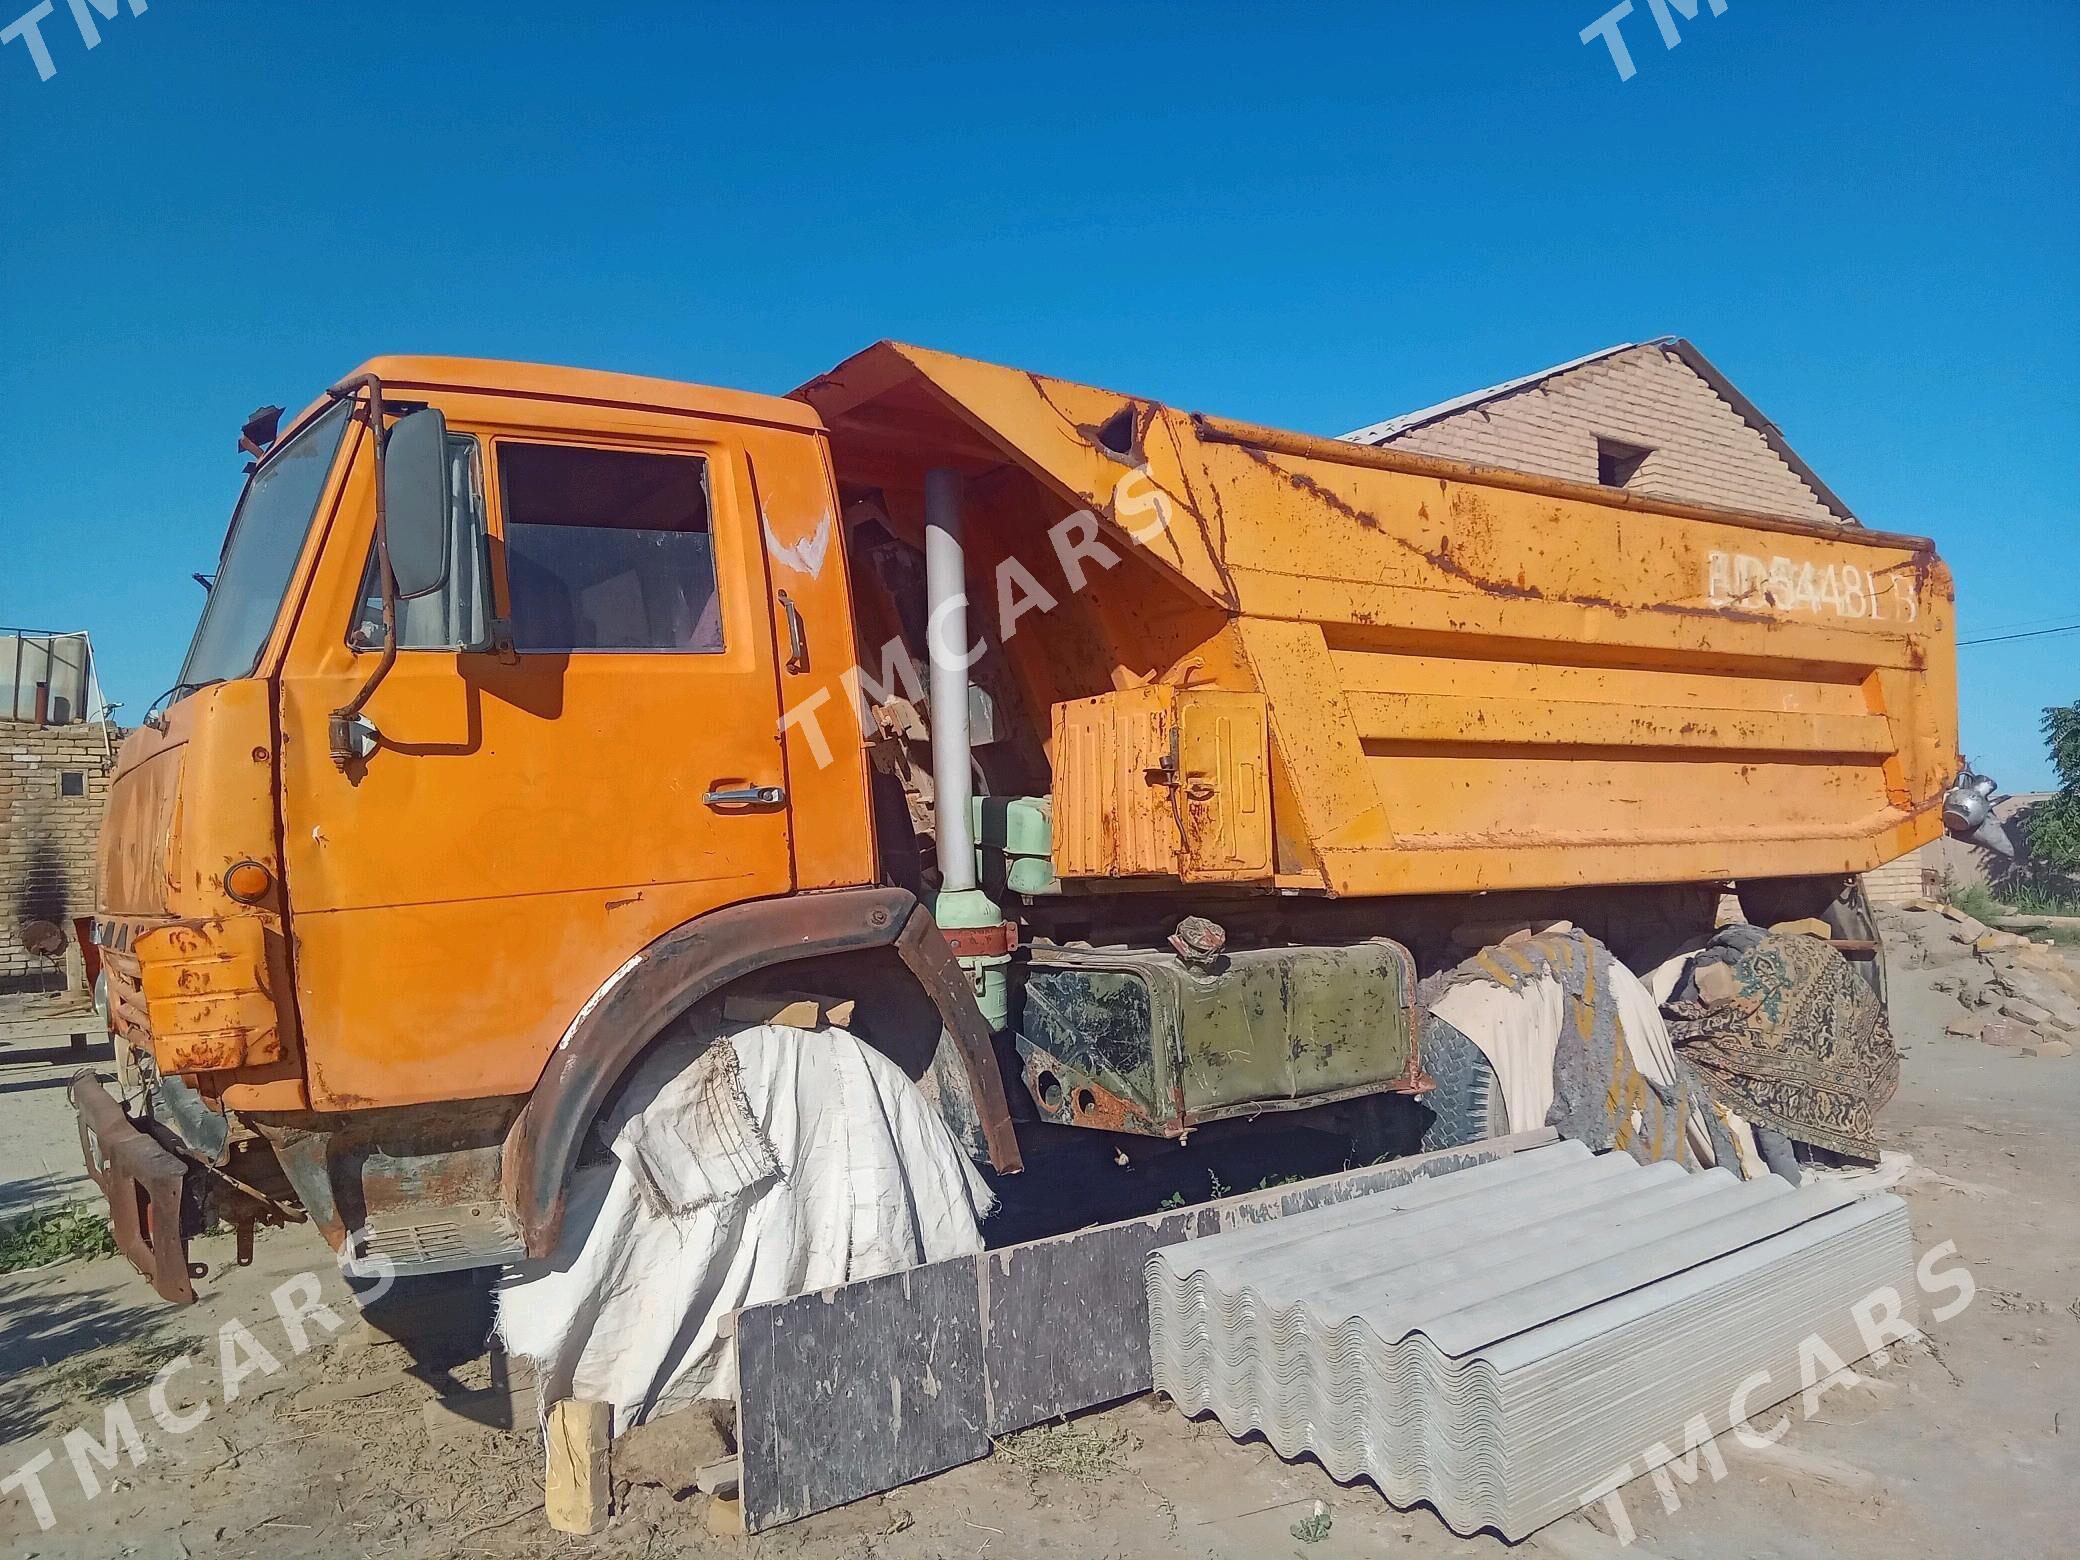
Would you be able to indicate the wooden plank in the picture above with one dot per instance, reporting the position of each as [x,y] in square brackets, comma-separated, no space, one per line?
[850,1391]
[576,1487]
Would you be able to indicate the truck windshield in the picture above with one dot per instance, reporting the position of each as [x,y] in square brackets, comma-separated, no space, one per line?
[267,533]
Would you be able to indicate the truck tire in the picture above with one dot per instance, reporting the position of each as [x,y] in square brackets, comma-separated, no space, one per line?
[1466,1105]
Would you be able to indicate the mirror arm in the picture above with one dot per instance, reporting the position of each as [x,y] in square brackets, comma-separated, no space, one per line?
[340,726]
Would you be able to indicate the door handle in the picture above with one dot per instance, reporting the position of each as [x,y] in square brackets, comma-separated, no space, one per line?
[797,636]
[747,796]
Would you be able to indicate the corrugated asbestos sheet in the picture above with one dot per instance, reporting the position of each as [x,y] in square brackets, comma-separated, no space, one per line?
[1499,1342]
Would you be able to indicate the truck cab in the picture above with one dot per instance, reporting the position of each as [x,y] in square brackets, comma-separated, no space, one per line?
[349,947]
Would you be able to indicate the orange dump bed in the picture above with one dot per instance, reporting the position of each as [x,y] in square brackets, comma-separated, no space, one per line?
[1463,678]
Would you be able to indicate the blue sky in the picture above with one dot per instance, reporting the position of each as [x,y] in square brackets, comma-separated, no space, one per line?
[1311,216]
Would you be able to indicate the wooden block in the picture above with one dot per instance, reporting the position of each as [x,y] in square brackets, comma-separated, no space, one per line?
[720,1478]
[796,1009]
[575,1487]
[725,1516]
[1809,926]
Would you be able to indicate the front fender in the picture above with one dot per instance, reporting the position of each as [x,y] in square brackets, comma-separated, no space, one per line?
[688,963]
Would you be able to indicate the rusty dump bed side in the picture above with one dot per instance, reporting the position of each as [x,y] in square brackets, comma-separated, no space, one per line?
[1467,678]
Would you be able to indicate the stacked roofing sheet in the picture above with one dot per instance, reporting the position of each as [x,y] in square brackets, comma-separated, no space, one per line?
[1501,1341]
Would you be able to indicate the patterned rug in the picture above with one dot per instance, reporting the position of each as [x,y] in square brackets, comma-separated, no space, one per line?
[1804,1047]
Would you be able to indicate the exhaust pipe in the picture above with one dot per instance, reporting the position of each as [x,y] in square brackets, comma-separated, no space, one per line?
[946,642]
[972,921]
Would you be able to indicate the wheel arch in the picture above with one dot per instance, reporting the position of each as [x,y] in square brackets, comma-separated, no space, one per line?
[698,959]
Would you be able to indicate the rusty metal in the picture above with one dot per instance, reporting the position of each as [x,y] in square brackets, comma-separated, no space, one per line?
[1161,780]
[146,1185]
[1072,1098]
[351,1168]
[926,953]
[127,1014]
[1277,441]
[976,942]
[701,957]
[1415,1080]
[205,987]
[1199,942]
[1140,1040]
[339,724]
[1477,680]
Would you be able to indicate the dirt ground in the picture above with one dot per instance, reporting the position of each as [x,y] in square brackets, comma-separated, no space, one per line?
[1969,1445]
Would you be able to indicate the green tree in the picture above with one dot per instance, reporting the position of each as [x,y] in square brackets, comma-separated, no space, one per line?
[2051,829]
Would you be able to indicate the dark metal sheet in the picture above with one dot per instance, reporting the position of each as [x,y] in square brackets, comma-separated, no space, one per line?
[850,1391]
[1067,1317]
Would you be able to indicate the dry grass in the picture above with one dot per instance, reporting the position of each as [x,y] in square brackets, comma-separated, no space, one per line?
[1067,1451]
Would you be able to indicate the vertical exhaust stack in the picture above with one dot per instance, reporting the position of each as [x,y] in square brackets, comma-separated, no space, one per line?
[969,917]
[946,641]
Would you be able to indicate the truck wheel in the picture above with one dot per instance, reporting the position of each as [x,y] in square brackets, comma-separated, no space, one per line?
[1467,1102]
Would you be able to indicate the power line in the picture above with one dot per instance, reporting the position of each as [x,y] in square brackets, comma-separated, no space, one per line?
[2059,618]
[2039,633]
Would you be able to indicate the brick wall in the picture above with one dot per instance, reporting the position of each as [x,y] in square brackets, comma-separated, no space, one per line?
[1704,451]
[47,837]
[1915,875]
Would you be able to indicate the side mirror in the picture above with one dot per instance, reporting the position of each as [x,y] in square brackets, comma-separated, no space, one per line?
[416,503]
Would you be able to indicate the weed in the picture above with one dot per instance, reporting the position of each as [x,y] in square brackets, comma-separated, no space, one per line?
[59,1235]
[2032,900]
[1072,1451]
[1174,1200]
[1314,1527]
[1975,900]
[1219,1187]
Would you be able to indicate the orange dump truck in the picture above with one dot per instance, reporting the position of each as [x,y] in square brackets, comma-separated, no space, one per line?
[1125,767]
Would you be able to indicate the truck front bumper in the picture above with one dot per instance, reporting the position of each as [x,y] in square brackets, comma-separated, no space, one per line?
[147,1187]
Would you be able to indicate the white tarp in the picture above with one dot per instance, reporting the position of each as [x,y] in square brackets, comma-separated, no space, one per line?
[772,1161]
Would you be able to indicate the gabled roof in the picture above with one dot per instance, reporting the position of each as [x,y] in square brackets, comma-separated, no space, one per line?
[1382,432]
[1676,346]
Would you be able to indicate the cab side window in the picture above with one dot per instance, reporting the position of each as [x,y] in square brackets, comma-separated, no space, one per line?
[608,550]
[453,617]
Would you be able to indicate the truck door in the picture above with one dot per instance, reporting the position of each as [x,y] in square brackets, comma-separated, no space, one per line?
[534,815]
